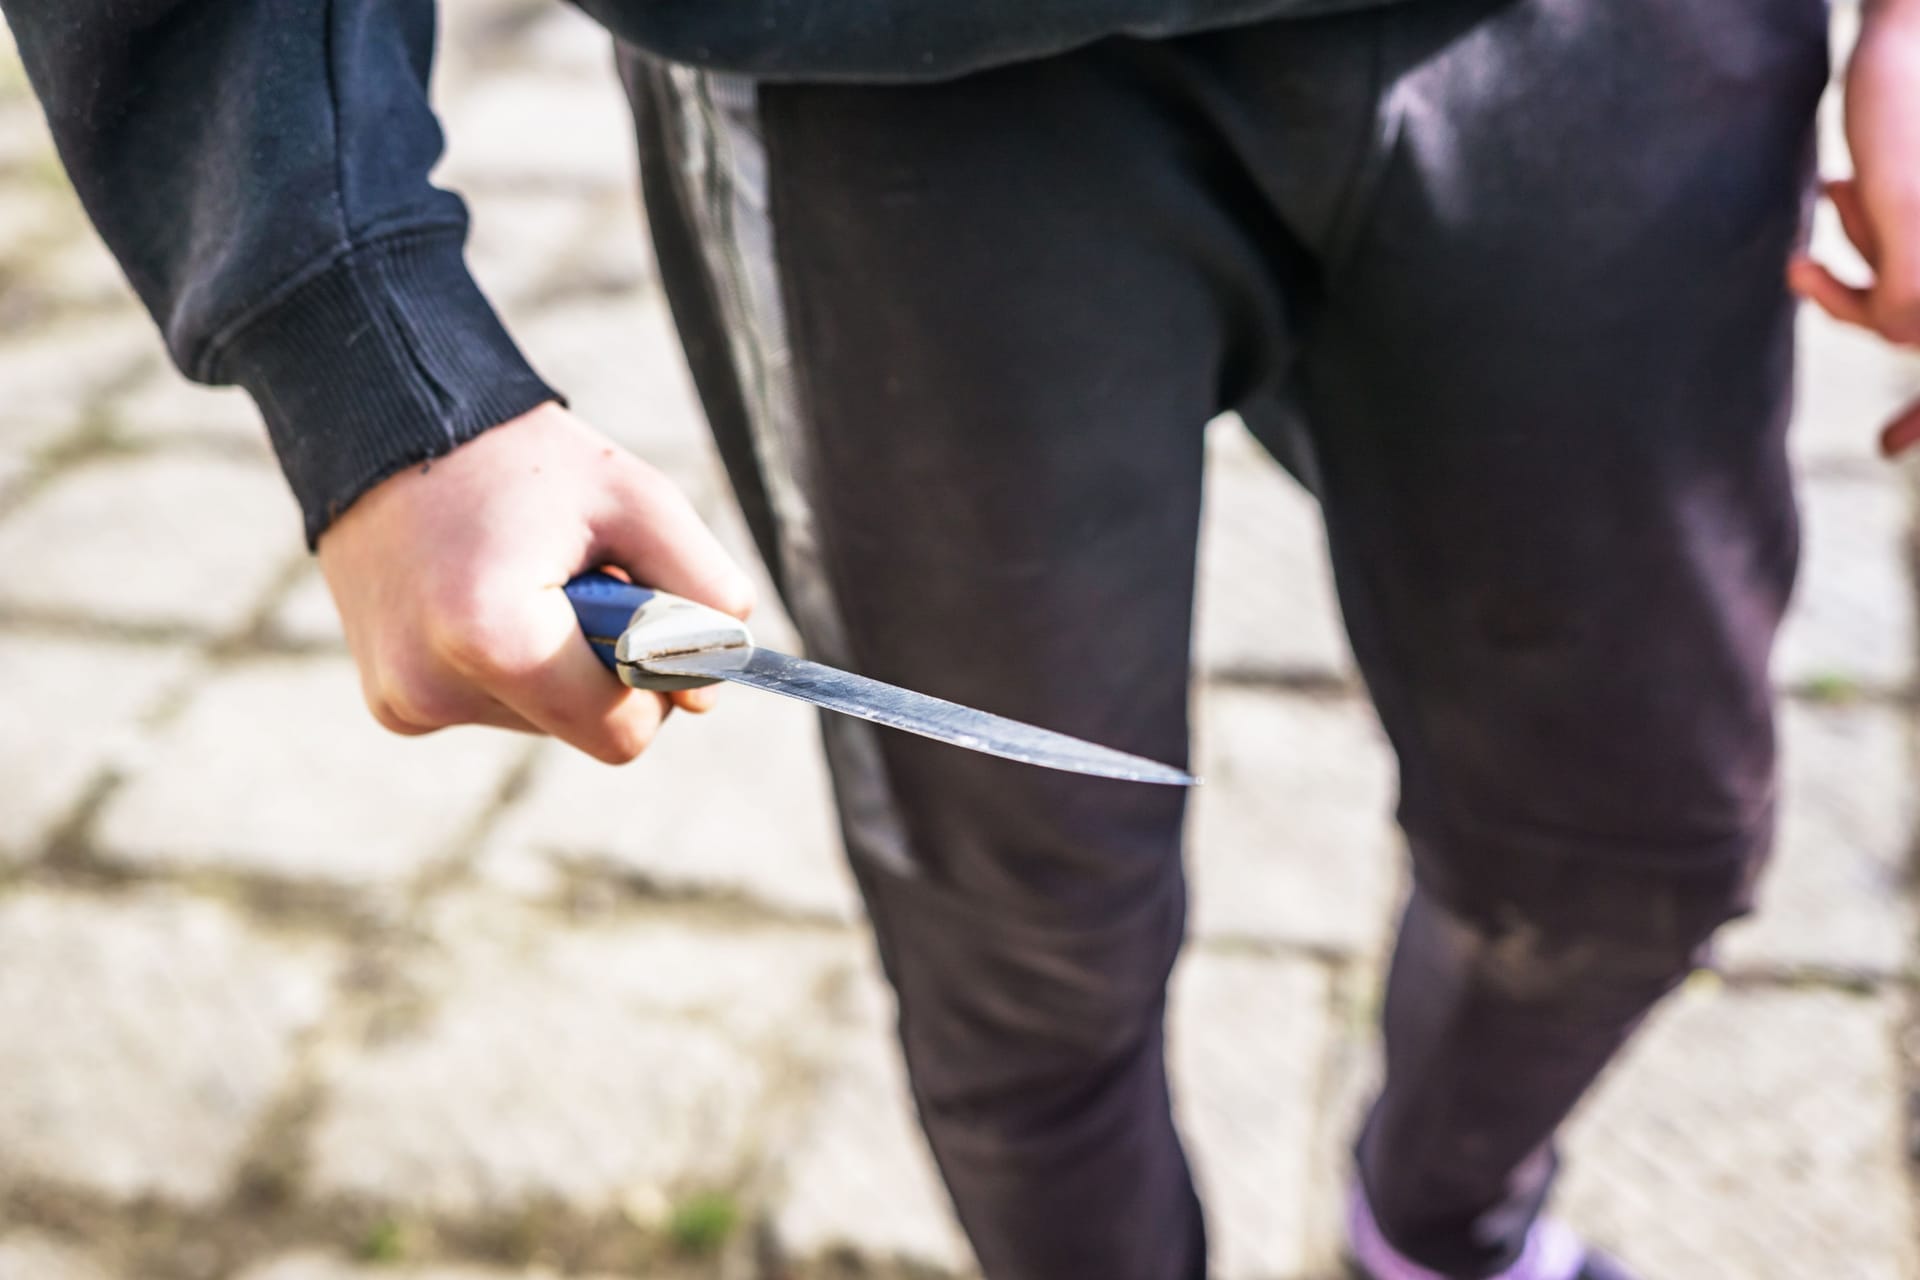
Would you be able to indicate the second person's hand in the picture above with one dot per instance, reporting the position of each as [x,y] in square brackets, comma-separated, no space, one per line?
[1879,208]
[448,581]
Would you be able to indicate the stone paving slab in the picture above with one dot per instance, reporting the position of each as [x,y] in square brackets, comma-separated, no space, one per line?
[23,130]
[479,38]
[1851,384]
[50,375]
[1350,1080]
[151,541]
[164,408]
[597,1066]
[614,256]
[619,365]
[73,707]
[518,239]
[275,768]
[1835,897]
[522,131]
[143,1038]
[1852,618]
[1265,597]
[733,803]
[29,215]
[81,275]
[1752,1135]
[305,617]
[857,1175]
[29,1256]
[1291,838]
[1248,1036]
[564,41]
[750,979]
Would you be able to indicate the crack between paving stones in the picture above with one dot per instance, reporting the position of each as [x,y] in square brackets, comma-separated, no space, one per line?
[265,1213]
[1304,682]
[593,888]
[1330,954]
[156,1240]
[453,867]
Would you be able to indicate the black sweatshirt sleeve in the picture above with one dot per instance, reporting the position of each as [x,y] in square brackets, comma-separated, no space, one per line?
[259,168]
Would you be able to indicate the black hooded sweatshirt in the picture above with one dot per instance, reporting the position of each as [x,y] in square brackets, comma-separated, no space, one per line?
[259,168]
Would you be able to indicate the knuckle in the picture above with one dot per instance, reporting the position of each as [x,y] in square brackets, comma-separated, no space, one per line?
[425,705]
[614,753]
[642,474]
[652,488]
[621,739]
[609,749]
[374,692]
[391,720]
[467,651]
[472,642]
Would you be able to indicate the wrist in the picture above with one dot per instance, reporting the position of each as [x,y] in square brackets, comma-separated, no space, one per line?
[388,358]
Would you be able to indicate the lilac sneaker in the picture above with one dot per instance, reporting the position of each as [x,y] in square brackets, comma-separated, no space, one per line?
[1552,1253]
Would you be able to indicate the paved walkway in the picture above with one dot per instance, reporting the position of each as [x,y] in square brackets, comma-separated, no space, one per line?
[283,998]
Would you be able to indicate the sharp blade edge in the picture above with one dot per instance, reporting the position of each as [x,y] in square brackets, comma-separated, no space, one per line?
[930,717]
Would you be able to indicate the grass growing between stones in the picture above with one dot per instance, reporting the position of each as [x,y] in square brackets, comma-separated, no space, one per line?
[386,1241]
[702,1224]
[1830,689]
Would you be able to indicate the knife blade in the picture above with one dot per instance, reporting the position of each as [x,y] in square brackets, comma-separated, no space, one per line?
[655,640]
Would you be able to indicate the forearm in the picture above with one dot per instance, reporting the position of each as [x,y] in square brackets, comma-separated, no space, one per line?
[260,172]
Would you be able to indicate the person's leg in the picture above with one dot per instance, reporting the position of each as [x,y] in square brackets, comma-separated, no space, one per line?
[1548,380]
[972,355]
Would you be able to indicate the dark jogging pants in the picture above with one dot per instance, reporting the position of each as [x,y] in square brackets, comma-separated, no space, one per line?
[1516,270]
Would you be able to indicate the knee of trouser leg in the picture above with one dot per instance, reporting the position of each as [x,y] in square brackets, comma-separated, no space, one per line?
[1035,1075]
[1633,947]
[1596,969]
[1546,920]
[993,1006]
[1041,1104]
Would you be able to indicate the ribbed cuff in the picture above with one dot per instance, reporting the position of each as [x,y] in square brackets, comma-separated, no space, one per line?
[388,358]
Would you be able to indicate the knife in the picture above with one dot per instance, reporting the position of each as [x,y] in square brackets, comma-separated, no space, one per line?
[658,641]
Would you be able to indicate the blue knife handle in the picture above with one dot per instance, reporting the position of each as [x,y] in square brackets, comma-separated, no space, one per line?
[604,605]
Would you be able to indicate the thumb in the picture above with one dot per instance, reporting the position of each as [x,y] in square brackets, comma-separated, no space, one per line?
[1844,194]
[1903,432]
